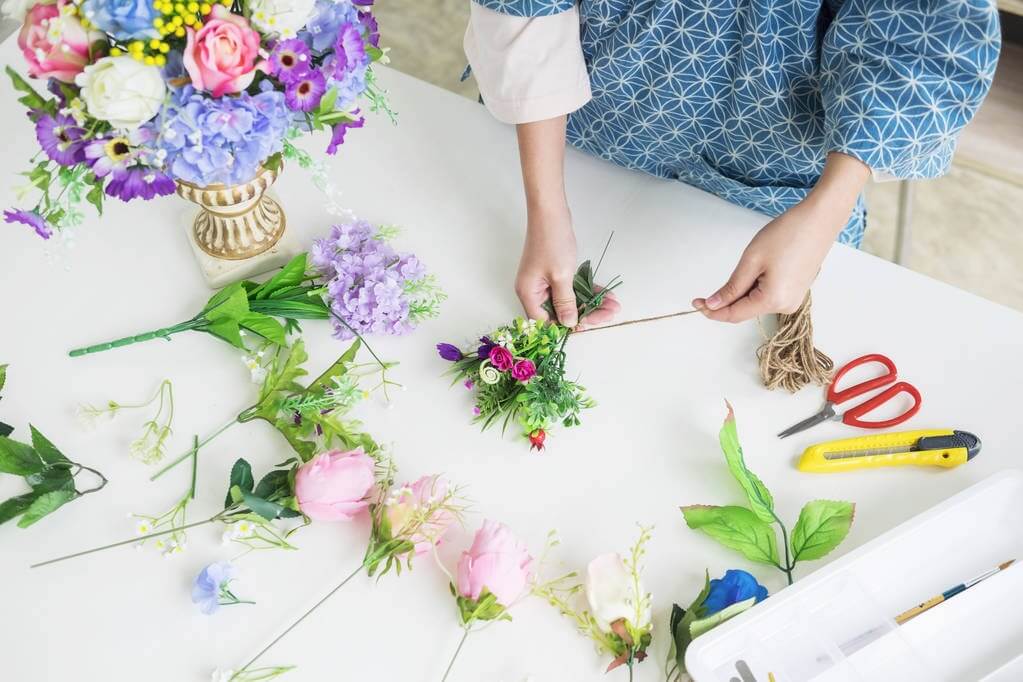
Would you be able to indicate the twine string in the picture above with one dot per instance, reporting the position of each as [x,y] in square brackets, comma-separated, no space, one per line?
[788,359]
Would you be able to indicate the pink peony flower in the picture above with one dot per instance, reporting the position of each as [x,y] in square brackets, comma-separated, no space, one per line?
[497,562]
[419,498]
[54,43]
[523,371]
[335,486]
[501,358]
[221,56]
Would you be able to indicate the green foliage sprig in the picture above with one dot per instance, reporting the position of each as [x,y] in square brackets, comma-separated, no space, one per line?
[821,527]
[292,294]
[50,476]
[5,429]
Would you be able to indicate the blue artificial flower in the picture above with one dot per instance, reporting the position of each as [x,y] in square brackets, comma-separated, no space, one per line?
[735,586]
[321,30]
[211,582]
[123,19]
[222,140]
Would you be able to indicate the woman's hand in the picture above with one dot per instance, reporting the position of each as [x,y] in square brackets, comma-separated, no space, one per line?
[548,266]
[781,262]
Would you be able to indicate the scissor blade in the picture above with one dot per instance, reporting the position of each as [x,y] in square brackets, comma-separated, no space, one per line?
[816,419]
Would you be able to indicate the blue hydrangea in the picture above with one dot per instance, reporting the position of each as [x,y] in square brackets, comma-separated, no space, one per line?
[321,30]
[123,19]
[222,140]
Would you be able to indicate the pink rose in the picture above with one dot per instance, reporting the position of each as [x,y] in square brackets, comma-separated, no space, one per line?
[54,43]
[523,371]
[221,56]
[497,562]
[501,358]
[410,502]
[334,486]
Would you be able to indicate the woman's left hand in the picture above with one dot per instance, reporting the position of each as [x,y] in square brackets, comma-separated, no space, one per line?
[781,262]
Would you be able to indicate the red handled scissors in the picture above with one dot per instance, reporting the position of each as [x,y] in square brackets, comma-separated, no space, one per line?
[852,416]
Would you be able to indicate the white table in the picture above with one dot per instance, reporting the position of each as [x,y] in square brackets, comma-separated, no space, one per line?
[448,173]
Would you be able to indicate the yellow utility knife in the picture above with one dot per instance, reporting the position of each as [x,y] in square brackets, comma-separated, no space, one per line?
[936,447]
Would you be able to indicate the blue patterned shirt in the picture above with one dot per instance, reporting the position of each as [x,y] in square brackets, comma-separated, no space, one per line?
[745,98]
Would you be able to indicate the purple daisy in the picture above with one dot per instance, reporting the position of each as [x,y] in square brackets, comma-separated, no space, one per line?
[108,156]
[290,60]
[30,218]
[349,50]
[305,93]
[140,181]
[337,136]
[61,139]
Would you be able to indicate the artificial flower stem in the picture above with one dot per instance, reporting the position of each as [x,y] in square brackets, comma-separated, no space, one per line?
[141,538]
[194,450]
[299,620]
[164,333]
[789,564]
[458,650]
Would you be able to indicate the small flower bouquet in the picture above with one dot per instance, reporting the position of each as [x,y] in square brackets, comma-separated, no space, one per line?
[142,93]
[518,370]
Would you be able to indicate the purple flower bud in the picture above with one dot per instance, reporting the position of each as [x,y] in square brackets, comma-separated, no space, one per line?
[449,352]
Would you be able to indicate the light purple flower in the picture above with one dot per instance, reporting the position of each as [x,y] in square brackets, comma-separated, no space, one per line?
[61,139]
[32,219]
[140,182]
[306,91]
[370,26]
[290,60]
[349,50]
[337,137]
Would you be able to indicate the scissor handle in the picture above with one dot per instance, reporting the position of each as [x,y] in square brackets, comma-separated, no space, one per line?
[836,396]
[853,414]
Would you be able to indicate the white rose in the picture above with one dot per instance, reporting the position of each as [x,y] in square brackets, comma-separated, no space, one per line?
[17,9]
[281,17]
[611,593]
[122,91]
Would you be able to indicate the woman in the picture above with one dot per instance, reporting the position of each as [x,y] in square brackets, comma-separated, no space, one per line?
[786,107]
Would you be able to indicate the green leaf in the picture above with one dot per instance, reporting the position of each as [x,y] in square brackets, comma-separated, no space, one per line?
[328,101]
[282,378]
[45,504]
[31,99]
[821,527]
[336,370]
[305,449]
[45,449]
[291,275]
[274,162]
[232,303]
[18,458]
[703,625]
[6,429]
[241,478]
[227,330]
[3,376]
[760,500]
[95,196]
[737,528]
[274,484]
[268,510]
[264,325]
[50,479]
[13,506]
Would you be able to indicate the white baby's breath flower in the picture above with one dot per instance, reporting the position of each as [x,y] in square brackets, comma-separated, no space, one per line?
[143,527]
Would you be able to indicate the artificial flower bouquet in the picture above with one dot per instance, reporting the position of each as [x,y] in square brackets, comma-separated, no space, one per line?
[140,94]
[518,370]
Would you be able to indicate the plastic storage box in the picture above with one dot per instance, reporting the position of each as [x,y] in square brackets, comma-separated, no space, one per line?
[837,624]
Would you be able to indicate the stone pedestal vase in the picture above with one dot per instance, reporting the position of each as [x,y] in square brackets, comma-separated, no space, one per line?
[240,231]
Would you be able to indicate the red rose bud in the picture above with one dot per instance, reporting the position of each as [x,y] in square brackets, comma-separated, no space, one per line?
[536,439]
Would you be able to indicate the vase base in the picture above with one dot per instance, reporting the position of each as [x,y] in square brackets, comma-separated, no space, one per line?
[219,272]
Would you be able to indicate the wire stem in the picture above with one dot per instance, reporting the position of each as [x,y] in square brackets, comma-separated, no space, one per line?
[451,664]
[295,624]
[194,450]
[638,321]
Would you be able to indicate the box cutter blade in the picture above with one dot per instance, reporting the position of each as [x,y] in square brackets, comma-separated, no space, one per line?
[945,448]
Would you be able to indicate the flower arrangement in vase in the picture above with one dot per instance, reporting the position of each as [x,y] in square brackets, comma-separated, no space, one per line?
[144,98]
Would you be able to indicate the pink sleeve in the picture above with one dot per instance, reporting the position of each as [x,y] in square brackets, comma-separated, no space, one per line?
[527,68]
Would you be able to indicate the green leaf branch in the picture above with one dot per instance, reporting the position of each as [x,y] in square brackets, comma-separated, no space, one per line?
[821,527]
[51,478]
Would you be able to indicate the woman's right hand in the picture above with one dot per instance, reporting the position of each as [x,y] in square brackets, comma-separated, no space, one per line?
[548,265]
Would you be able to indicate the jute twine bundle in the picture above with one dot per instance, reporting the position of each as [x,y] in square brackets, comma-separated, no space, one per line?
[788,359]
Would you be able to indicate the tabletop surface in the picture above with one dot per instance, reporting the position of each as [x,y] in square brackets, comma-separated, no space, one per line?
[448,174]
